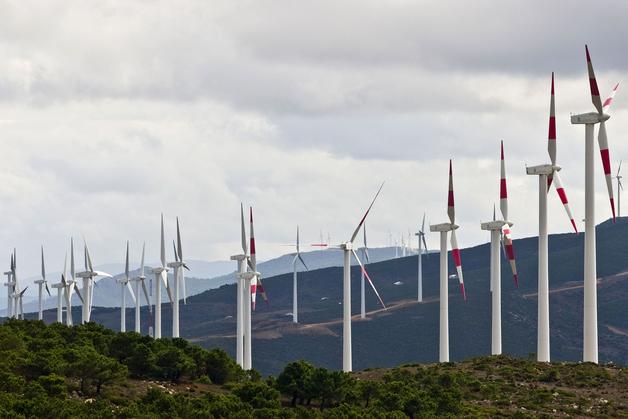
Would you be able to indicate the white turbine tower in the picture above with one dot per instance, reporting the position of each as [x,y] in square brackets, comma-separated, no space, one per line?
[348,250]
[421,237]
[496,227]
[10,284]
[161,276]
[297,257]
[125,284]
[60,286]
[41,283]
[443,229]
[88,275]
[141,281]
[241,259]
[15,286]
[68,292]
[548,174]
[365,255]
[178,267]
[590,343]
[620,188]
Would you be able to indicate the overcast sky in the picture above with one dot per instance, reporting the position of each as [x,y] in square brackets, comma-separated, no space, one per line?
[114,111]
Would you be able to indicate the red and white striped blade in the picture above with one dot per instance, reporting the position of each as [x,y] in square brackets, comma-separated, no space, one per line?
[455,254]
[503,190]
[510,254]
[595,92]
[368,278]
[253,292]
[357,229]
[451,211]
[558,184]
[606,164]
[551,135]
[252,242]
[609,100]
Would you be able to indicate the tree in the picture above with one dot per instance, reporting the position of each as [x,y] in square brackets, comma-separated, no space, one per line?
[258,394]
[94,369]
[295,380]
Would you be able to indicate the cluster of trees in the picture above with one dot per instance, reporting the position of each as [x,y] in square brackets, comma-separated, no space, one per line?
[88,371]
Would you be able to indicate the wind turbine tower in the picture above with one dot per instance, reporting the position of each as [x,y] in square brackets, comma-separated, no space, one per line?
[41,283]
[421,237]
[590,343]
[444,229]
[496,227]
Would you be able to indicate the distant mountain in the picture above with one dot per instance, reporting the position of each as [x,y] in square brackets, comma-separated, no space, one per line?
[408,332]
[202,275]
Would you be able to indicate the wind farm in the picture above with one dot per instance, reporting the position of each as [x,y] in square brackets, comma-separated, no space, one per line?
[371,149]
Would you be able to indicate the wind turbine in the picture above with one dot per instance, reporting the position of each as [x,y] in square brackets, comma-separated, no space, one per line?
[240,298]
[590,344]
[179,281]
[443,229]
[548,174]
[141,281]
[620,188]
[421,237]
[60,286]
[348,250]
[10,284]
[297,257]
[256,284]
[15,286]
[161,275]
[41,283]
[88,276]
[365,254]
[125,285]
[69,286]
[496,227]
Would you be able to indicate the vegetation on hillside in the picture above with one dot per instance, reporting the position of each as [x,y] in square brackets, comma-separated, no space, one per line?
[89,371]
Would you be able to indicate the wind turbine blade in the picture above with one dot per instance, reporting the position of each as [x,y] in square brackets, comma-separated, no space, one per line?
[89,258]
[298,239]
[451,211]
[424,244]
[609,100]
[163,244]
[142,263]
[606,164]
[423,224]
[503,189]
[619,168]
[551,136]
[78,293]
[510,254]
[558,184]
[130,289]
[126,265]
[174,249]
[146,294]
[47,289]
[253,255]
[357,229]
[595,92]
[302,261]
[43,265]
[455,254]
[183,287]
[366,274]
[179,247]
[243,230]
[164,278]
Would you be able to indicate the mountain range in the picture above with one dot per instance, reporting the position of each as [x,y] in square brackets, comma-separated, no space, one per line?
[407,332]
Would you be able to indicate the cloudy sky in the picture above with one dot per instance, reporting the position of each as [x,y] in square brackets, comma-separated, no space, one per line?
[112,112]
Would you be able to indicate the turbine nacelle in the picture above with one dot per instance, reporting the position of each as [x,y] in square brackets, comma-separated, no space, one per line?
[589,118]
[543,169]
[443,227]
[346,246]
[495,225]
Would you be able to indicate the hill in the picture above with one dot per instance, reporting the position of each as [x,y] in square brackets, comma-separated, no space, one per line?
[91,372]
[408,332]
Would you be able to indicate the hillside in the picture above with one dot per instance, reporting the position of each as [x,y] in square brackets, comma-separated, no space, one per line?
[411,328]
[91,372]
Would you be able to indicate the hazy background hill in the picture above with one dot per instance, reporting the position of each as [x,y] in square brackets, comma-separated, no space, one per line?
[408,331]
[202,276]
